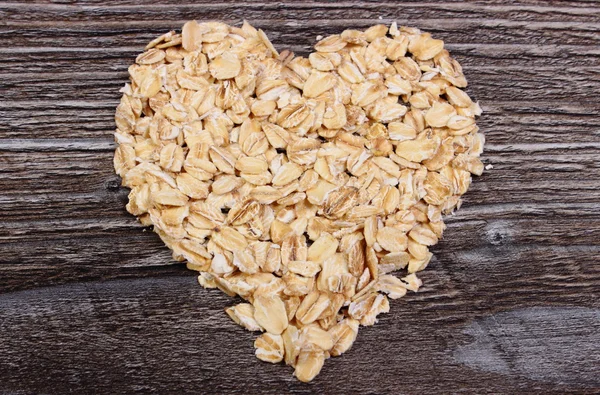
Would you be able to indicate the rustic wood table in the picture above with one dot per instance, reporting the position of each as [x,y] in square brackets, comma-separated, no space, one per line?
[91,302]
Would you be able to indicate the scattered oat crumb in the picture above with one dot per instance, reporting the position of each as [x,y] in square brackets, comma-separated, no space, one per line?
[319,37]
[489,167]
[380,17]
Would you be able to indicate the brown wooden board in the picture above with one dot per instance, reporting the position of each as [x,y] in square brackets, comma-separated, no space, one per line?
[91,302]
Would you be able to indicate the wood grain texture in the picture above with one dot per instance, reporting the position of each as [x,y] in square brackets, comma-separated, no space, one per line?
[91,302]
[167,335]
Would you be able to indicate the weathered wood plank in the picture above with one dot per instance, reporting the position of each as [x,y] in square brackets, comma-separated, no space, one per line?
[487,84]
[116,337]
[48,184]
[568,195]
[369,10]
[504,332]
[91,59]
[452,30]
[91,123]
[507,124]
[564,6]
[44,206]
[562,179]
[521,252]
[550,227]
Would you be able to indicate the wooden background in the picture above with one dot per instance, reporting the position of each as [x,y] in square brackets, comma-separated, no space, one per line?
[90,301]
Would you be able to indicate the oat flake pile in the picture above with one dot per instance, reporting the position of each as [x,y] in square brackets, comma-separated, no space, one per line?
[299,184]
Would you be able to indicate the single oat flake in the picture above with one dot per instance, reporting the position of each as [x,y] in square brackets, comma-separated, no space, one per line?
[303,185]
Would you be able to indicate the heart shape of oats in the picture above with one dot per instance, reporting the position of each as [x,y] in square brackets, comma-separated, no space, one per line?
[298,183]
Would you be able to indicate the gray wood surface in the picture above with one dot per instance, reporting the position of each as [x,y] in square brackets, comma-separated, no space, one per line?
[90,301]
